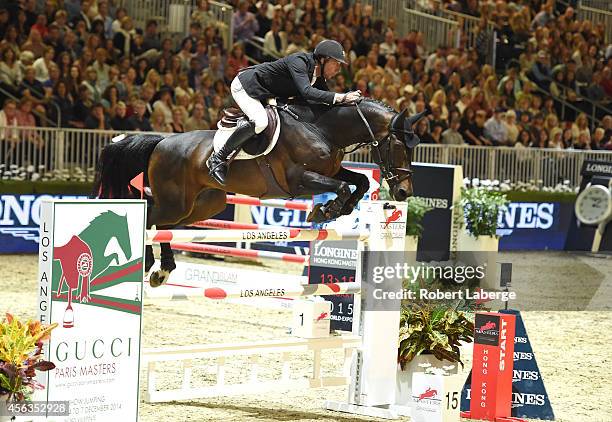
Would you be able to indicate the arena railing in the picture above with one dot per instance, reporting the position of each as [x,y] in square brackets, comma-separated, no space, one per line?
[598,17]
[174,16]
[72,153]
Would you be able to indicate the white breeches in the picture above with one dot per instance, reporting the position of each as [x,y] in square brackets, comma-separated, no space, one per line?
[250,106]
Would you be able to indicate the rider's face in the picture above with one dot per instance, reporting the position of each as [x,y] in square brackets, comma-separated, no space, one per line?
[331,68]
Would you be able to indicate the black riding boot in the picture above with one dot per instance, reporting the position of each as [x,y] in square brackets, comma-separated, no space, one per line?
[217,163]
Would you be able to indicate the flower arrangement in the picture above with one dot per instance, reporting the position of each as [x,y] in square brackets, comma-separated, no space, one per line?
[531,186]
[35,174]
[481,209]
[21,356]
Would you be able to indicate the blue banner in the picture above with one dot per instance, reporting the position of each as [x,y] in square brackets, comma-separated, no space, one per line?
[529,397]
[19,221]
[534,226]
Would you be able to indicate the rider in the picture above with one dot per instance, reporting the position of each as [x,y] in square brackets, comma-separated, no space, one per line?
[297,74]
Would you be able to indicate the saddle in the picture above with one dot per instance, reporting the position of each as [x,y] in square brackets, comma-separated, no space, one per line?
[259,143]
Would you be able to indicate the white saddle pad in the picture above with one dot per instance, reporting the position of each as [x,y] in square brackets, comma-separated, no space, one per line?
[222,134]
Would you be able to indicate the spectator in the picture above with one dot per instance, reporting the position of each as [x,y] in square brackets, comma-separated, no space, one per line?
[245,23]
[123,40]
[540,71]
[64,102]
[97,119]
[511,127]
[10,69]
[151,40]
[197,120]
[25,118]
[597,141]
[120,121]
[541,139]
[475,131]
[215,109]
[203,15]
[275,40]
[34,44]
[158,122]
[495,128]
[83,15]
[138,120]
[556,139]
[524,139]
[8,119]
[451,136]
[567,138]
[91,83]
[581,126]
[30,87]
[236,61]
[422,131]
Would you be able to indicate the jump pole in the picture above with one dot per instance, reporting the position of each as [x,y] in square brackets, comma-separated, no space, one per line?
[281,234]
[272,203]
[240,253]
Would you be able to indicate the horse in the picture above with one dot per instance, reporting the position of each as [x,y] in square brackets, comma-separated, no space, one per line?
[305,161]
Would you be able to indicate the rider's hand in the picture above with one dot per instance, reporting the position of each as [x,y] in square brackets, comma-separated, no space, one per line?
[352,96]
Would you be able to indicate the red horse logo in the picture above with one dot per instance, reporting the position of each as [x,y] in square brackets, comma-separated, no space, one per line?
[76,260]
[395,215]
[488,326]
[322,316]
[428,394]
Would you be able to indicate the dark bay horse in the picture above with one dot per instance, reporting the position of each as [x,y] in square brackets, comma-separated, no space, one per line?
[305,161]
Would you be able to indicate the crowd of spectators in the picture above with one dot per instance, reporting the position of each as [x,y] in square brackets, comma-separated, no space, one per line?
[86,65]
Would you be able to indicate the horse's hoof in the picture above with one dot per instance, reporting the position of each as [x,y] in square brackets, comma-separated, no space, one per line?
[158,278]
[316,215]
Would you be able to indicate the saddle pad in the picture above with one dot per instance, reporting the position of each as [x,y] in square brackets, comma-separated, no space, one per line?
[223,133]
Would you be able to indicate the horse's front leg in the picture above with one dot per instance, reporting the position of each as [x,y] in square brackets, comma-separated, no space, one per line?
[314,184]
[361,183]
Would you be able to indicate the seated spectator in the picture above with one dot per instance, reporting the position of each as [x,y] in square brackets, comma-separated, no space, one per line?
[97,119]
[606,81]
[439,99]
[25,118]
[178,119]
[123,40]
[138,120]
[595,91]
[236,61]
[581,126]
[64,102]
[81,107]
[540,71]
[30,87]
[34,44]
[540,140]
[120,121]
[197,120]
[91,83]
[495,128]
[165,104]
[214,111]
[10,69]
[275,40]
[422,131]
[511,127]
[158,122]
[451,136]
[436,117]
[474,132]
[582,143]
[556,139]
[245,23]
[524,139]
[8,121]
[567,138]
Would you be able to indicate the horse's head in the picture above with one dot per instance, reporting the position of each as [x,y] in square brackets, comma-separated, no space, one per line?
[394,154]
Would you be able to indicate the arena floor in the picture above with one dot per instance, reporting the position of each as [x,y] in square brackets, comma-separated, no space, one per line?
[573,348]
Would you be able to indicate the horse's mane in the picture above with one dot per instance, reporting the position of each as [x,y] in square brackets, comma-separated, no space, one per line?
[296,103]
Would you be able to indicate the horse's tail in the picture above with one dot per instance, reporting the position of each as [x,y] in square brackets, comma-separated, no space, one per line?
[120,162]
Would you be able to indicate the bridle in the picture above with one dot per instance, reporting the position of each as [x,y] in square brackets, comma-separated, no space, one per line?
[393,175]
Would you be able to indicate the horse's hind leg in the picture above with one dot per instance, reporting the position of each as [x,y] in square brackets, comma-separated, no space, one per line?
[207,204]
[314,183]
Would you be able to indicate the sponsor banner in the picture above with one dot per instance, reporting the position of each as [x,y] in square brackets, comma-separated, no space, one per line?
[20,219]
[440,186]
[492,366]
[435,398]
[534,226]
[90,284]
[529,397]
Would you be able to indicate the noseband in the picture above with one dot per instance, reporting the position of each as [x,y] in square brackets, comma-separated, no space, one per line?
[392,174]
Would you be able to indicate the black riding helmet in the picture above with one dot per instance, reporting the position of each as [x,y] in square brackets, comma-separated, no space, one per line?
[332,49]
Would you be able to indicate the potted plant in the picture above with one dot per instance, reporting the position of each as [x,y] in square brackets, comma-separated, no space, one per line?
[481,209]
[21,353]
[415,211]
[430,333]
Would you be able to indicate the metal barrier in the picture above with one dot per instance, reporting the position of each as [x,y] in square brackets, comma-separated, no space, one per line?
[598,17]
[436,30]
[73,153]
[174,16]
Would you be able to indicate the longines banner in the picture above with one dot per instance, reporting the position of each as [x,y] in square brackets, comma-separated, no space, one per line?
[90,283]
[19,220]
